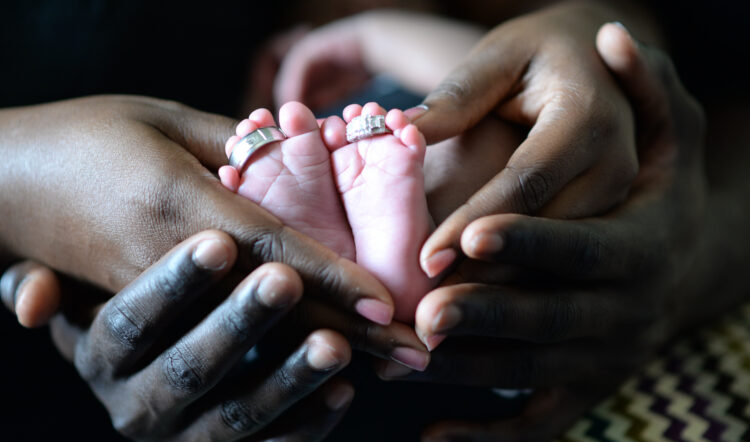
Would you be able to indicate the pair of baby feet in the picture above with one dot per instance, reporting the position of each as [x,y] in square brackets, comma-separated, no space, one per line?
[365,200]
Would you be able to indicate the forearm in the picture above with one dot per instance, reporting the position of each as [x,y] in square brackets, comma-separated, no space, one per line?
[13,186]
[418,50]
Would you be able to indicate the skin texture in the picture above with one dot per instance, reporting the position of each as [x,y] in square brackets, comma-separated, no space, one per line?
[656,205]
[158,158]
[364,199]
[158,354]
[381,182]
[632,279]
[579,158]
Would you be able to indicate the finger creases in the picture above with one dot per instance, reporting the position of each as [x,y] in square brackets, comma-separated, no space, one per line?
[474,88]
[324,272]
[551,315]
[590,249]
[260,403]
[544,163]
[130,322]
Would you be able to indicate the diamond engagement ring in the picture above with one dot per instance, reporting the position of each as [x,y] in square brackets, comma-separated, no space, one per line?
[365,126]
[251,143]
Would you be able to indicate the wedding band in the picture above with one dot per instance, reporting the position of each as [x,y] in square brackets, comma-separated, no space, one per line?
[365,126]
[251,143]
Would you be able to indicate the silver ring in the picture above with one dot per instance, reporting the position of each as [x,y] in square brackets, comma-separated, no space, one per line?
[365,126]
[251,143]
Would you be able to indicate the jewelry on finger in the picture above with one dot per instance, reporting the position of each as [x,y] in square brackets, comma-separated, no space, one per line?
[365,126]
[251,143]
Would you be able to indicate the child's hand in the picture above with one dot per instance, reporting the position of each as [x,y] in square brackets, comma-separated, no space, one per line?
[332,62]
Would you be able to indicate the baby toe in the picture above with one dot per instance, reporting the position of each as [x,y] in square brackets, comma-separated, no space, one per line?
[352,111]
[245,127]
[262,118]
[333,130]
[230,144]
[297,119]
[412,138]
[396,120]
[229,177]
[373,108]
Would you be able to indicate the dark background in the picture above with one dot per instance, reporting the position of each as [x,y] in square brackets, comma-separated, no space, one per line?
[51,50]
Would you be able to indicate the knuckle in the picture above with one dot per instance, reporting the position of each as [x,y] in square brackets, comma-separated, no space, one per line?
[124,323]
[289,383]
[534,186]
[266,244]
[236,324]
[184,371]
[242,418]
[451,90]
[178,278]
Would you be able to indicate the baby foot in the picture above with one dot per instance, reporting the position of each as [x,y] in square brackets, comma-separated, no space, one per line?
[292,179]
[381,183]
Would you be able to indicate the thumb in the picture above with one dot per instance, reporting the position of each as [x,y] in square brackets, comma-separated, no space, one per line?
[32,292]
[473,89]
[202,134]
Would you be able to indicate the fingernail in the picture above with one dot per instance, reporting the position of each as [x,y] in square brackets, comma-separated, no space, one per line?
[487,244]
[432,341]
[211,254]
[447,318]
[339,397]
[375,310]
[435,264]
[273,291]
[19,298]
[411,358]
[21,291]
[416,111]
[393,370]
[321,356]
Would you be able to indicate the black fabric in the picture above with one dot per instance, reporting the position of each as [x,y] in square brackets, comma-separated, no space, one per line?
[194,52]
[709,44]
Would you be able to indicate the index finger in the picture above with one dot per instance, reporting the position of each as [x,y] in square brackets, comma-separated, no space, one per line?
[473,88]
[560,147]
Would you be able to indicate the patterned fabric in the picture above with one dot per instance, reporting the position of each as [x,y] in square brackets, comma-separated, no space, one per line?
[699,390]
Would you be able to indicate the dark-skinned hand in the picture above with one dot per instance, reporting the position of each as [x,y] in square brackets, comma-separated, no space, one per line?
[165,354]
[592,299]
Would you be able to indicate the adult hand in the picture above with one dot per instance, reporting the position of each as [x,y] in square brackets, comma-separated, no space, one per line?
[542,72]
[621,292]
[158,355]
[101,187]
